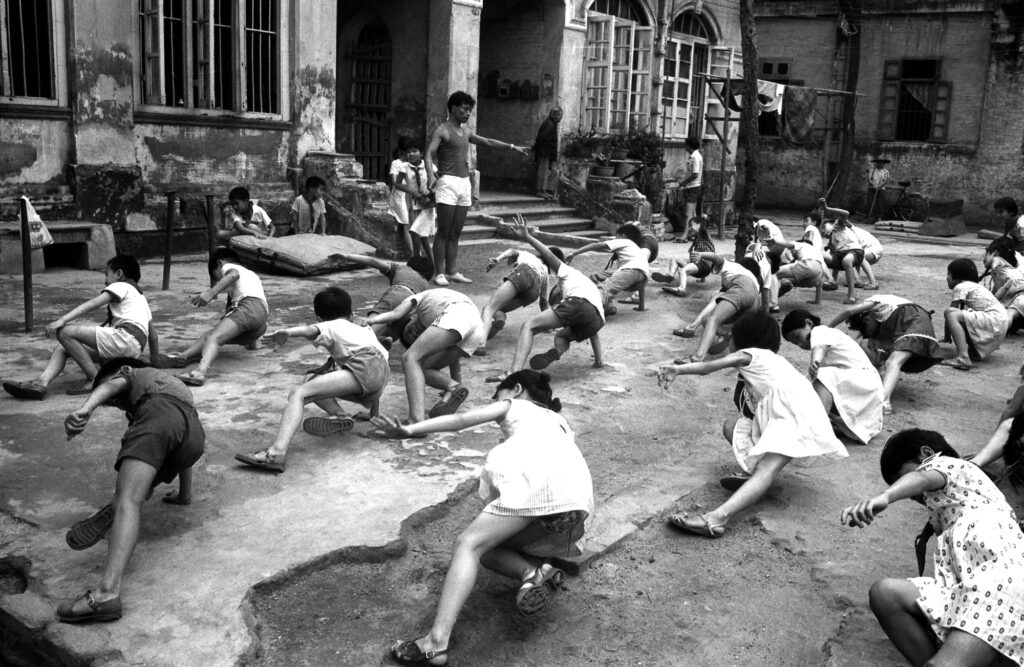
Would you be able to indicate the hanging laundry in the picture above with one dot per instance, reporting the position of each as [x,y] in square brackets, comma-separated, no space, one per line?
[769,96]
[799,103]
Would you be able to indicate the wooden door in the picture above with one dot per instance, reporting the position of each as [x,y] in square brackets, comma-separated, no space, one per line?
[369,101]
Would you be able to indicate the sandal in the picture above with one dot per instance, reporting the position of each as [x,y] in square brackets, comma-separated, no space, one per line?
[80,389]
[958,364]
[449,405]
[325,426]
[830,286]
[699,526]
[660,277]
[685,332]
[273,462]
[32,390]
[539,362]
[850,300]
[674,291]
[734,482]
[496,326]
[193,379]
[167,361]
[410,652]
[536,590]
[89,531]
[631,301]
[108,610]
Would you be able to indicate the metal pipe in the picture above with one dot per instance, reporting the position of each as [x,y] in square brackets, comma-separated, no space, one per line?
[168,232]
[211,226]
[26,263]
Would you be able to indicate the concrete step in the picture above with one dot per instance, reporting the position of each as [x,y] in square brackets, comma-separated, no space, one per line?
[568,224]
[470,232]
[490,198]
[532,212]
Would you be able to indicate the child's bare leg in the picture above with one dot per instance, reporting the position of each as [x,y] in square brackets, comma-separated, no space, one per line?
[79,341]
[824,395]
[195,350]
[869,273]
[851,277]
[723,311]
[433,340]
[891,374]
[894,604]
[685,272]
[508,558]
[955,327]
[406,239]
[544,321]
[817,293]
[225,331]
[752,490]
[595,345]
[184,494]
[773,293]
[321,387]
[502,297]
[54,367]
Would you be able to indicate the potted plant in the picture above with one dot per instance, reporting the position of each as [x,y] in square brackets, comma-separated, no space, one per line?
[582,151]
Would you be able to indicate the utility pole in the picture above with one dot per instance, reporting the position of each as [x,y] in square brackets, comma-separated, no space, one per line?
[748,115]
[848,31]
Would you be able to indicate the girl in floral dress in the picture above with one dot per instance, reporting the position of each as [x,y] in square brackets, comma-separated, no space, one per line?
[1005,280]
[971,610]
[976,321]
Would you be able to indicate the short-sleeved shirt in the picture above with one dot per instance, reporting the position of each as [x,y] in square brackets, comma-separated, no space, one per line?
[341,338]
[844,239]
[695,165]
[976,297]
[146,382]
[247,285]
[128,306]
[630,255]
[309,212]
[884,305]
[534,263]
[807,251]
[401,275]
[574,283]
[260,218]
[774,233]
[398,166]
[731,272]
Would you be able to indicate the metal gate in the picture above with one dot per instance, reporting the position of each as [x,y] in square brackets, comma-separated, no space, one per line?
[369,103]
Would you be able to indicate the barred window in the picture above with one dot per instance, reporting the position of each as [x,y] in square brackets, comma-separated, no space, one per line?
[211,54]
[26,50]
[915,102]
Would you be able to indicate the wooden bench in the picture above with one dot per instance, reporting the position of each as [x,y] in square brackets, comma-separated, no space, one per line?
[92,245]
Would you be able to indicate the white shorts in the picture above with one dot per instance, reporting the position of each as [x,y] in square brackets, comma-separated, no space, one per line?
[454,190]
[464,319]
[112,343]
[425,223]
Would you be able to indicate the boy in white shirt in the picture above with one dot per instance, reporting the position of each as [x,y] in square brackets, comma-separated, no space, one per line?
[633,270]
[308,210]
[360,375]
[526,283]
[127,329]
[244,217]
[243,323]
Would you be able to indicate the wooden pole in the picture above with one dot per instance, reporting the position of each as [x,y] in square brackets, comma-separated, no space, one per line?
[725,149]
[748,117]
[26,263]
[211,225]
[168,232]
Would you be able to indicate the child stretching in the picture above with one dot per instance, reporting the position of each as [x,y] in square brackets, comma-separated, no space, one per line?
[538,491]
[578,313]
[308,210]
[842,375]
[244,217]
[846,252]
[1006,280]
[872,253]
[361,374]
[163,441]
[633,270]
[895,332]
[127,329]
[806,270]
[243,323]
[976,321]
[788,420]
[741,284]
[444,327]
[526,283]
[968,613]
[697,232]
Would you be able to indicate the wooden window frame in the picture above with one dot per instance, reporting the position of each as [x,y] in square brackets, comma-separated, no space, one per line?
[57,57]
[149,83]
[888,114]
[617,74]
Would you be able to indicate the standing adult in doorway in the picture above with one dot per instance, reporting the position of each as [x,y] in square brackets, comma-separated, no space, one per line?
[693,183]
[545,153]
[452,188]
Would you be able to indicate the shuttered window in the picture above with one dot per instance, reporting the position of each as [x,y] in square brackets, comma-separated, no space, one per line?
[915,103]
[617,70]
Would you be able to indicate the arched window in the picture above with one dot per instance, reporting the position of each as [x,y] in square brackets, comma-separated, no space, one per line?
[684,94]
[618,66]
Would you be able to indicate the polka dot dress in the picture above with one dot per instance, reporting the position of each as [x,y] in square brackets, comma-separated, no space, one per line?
[978,584]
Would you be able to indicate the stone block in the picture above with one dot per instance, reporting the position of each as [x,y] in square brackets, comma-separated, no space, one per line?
[603,189]
[10,253]
[328,166]
[632,208]
[606,225]
[27,610]
[934,226]
[80,644]
[108,193]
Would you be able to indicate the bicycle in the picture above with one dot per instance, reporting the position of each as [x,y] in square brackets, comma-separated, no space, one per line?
[909,206]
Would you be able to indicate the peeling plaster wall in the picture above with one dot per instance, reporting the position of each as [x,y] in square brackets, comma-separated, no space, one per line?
[315,84]
[176,154]
[33,151]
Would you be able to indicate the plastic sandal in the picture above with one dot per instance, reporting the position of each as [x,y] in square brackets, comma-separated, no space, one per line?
[660,277]
[536,590]
[410,653]
[269,461]
[31,390]
[325,426]
[539,362]
[109,610]
[192,379]
[80,389]
[449,405]
[685,332]
[674,291]
[699,526]
[89,531]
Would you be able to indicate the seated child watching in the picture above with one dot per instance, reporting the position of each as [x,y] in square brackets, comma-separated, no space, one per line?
[164,440]
[309,212]
[125,332]
[243,323]
[633,269]
[244,217]
[361,374]
[697,232]
[526,283]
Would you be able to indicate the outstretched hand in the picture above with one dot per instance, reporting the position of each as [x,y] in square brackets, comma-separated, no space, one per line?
[518,229]
[278,338]
[201,299]
[864,512]
[491,263]
[389,427]
[666,374]
[75,422]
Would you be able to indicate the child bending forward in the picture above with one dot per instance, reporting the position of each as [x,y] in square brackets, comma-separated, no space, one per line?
[783,419]
[360,375]
[969,612]
[538,491]
[975,320]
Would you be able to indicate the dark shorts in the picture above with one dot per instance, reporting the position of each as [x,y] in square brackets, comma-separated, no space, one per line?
[393,296]
[650,241]
[371,371]
[528,285]
[250,314]
[909,329]
[837,258]
[561,532]
[691,195]
[580,316]
[166,434]
[704,268]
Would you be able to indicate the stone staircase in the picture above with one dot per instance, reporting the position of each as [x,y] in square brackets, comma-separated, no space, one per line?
[548,217]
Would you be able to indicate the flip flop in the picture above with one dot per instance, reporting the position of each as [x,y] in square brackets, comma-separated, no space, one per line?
[674,291]
[192,379]
[449,405]
[410,653]
[109,610]
[269,461]
[325,426]
[830,287]
[684,332]
[660,277]
[31,390]
[631,301]
[699,526]
[80,389]
[536,590]
[89,531]
[850,300]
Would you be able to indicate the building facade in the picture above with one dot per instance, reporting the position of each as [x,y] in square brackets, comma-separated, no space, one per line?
[939,89]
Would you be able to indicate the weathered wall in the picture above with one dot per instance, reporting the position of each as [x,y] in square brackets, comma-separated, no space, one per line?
[33,151]
[314,86]
[172,155]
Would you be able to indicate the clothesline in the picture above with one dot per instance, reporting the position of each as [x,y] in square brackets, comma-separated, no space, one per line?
[827,91]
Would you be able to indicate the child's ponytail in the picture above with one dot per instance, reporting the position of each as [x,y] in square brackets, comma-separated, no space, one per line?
[536,385]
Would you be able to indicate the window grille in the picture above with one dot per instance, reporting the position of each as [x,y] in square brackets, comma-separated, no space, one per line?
[915,102]
[26,49]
